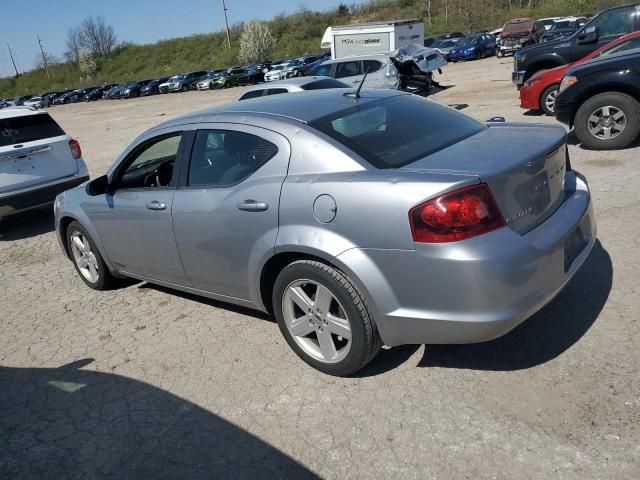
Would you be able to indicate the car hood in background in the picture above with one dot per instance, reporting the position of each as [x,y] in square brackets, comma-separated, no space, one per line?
[425,59]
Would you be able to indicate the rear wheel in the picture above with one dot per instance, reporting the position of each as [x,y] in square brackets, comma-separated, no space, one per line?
[548,100]
[608,121]
[87,260]
[324,319]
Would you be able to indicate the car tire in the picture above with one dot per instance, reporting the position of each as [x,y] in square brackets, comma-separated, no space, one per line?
[184,88]
[611,108]
[94,273]
[322,335]
[547,100]
[299,73]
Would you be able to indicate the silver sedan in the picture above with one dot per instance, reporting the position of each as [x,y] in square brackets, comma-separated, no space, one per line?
[357,220]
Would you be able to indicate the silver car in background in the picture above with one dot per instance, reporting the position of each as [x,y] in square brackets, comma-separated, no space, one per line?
[291,85]
[357,220]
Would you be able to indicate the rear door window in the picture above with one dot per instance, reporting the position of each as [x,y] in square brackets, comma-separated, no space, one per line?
[371,66]
[276,91]
[28,128]
[397,131]
[323,70]
[348,69]
[252,94]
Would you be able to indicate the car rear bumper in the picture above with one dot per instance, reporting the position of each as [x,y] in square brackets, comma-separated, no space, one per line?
[37,196]
[478,289]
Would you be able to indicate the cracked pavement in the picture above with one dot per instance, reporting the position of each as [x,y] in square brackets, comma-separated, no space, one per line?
[143,382]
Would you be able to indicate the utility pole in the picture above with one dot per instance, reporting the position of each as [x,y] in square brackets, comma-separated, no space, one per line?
[226,22]
[44,57]
[12,60]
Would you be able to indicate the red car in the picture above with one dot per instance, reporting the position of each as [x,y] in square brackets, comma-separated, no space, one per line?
[539,92]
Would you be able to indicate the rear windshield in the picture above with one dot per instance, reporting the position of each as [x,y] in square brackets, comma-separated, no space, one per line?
[397,131]
[324,83]
[27,129]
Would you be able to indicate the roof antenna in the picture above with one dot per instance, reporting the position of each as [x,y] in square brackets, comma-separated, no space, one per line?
[356,94]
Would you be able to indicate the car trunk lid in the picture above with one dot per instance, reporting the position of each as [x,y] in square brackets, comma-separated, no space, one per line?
[524,165]
[33,150]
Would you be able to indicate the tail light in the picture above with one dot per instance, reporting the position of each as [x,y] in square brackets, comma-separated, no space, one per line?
[74,146]
[454,216]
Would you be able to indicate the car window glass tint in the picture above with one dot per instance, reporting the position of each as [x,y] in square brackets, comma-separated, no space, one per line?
[252,94]
[613,22]
[223,158]
[324,83]
[153,165]
[371,66]
[276,91]
[323,70]
[28,128]
[396,131]
[348,69]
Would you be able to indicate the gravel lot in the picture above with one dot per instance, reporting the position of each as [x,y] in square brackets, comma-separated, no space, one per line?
[145,383]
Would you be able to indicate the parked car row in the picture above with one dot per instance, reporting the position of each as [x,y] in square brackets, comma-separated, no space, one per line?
[589,80]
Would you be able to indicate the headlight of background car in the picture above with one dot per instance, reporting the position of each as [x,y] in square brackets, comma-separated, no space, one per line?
[566,83]
[523,40]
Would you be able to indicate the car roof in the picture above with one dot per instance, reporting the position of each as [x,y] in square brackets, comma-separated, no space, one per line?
[290,82]
[12,112]
[305,108]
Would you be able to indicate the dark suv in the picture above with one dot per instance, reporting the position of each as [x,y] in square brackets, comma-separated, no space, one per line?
[601,100]
[605,27]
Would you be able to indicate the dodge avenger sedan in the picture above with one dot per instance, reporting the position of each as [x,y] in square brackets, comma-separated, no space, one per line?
[356,219]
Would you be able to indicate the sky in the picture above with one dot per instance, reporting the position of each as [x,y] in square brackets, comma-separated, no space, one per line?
[138,21]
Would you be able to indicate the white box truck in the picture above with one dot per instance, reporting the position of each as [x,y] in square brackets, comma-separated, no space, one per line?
[369,38]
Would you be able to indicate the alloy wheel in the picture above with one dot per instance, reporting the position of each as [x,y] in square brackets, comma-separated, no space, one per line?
[606,122]
[317,321]
[550,100]
[84,257]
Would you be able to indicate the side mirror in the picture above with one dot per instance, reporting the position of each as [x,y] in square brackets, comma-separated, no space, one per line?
[589,35]
[98,186]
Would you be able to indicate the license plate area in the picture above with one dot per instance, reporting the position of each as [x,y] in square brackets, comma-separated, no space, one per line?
[575,243]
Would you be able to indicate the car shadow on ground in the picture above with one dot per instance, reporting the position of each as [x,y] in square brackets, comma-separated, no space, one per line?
[26,225]
[544,336]
[572,139]
[212,303]
[70,423]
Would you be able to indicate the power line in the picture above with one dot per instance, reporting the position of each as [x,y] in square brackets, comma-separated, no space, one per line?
[226,22]
[12,60]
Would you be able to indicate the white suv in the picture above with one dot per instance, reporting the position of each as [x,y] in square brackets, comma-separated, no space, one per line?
[37,160]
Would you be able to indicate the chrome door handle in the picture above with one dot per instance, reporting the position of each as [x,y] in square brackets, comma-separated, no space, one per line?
[253,206]
[156,205]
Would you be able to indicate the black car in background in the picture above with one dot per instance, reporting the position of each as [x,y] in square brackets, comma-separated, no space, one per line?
[600,99]
[152,87]
[563,28]
[133,89]
[114,92]
[96,93]
[605,27]
[64,98]
[78,95]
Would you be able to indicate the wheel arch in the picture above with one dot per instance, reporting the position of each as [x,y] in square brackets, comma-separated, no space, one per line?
[540,98]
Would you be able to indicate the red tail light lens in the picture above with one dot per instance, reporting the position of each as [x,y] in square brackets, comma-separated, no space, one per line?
[455,216]
[74,146]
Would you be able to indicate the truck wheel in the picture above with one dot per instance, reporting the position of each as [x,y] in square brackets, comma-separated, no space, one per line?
[608,121]
[548,100]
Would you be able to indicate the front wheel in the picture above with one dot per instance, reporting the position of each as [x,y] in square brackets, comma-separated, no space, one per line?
[548,100]
[324,319]
[87,260]
[608,121]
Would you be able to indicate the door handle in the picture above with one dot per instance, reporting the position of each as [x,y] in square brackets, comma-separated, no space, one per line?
[156,205]
[253,206]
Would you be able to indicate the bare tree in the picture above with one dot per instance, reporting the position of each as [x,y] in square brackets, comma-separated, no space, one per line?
[256,42]
[96,36]
[93,35]
[51,60]
[74,45]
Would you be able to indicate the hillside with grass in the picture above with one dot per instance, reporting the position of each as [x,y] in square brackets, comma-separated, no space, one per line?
[296,34]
